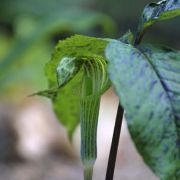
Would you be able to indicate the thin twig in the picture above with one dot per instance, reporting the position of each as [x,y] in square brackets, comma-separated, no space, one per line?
[114,144]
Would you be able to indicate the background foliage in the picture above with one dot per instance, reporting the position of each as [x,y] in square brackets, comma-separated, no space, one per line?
[29,29]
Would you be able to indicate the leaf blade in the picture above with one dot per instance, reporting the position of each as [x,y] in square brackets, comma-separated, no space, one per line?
[148,108]
[155,12]
[166,63]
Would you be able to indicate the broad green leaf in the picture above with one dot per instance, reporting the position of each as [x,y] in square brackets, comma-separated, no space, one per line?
[166,63]
[148,86]
[75,51]
[77,75]
[155,12]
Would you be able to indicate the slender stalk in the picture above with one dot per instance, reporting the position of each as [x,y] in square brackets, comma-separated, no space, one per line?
[88,173]
[114,144]
[139,37]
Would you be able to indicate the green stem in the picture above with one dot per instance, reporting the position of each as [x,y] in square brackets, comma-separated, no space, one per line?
[89,120]
[88,173]
[139,37]
[114,144]
[94,80]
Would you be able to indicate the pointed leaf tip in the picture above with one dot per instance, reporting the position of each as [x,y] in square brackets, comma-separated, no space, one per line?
[155,12]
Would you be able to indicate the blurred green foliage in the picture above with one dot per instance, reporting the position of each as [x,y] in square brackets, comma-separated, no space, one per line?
[27,33]
[37,8]
[126,14]
[29,29]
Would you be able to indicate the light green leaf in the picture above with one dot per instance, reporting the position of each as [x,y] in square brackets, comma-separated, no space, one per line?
[74,51]
[148,86]
[155,12]
[77,76]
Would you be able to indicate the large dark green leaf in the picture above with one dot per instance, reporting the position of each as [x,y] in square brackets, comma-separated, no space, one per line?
[155,12]
[148,86]
[166,63]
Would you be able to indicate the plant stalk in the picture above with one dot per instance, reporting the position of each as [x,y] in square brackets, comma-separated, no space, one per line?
[139,37]
[114,144]
[88,173]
